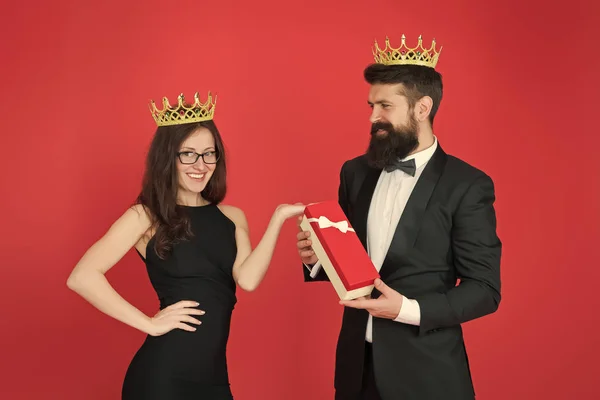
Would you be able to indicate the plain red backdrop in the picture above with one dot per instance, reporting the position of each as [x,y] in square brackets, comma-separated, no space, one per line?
[520,102]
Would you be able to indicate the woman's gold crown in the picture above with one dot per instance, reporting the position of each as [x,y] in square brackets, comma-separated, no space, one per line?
[183,113]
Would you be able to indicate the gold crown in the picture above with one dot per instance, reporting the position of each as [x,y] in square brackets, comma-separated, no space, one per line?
[406,56]
[183,113]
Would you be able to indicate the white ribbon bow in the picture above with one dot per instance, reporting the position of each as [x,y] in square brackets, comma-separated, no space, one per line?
[324,222]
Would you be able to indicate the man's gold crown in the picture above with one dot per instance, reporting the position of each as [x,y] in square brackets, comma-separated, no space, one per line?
[404,55]
[183,113]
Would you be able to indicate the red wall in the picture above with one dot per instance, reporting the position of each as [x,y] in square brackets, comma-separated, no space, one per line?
[521,94]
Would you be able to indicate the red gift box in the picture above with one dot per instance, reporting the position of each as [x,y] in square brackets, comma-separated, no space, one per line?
[342,255]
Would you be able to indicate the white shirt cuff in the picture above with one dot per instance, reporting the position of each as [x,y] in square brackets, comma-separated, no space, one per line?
[410,312]
[314,270]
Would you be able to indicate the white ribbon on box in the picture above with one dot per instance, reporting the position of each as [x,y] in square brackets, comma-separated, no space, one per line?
[324,222]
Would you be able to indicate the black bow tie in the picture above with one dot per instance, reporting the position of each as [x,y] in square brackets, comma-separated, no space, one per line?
[408,166]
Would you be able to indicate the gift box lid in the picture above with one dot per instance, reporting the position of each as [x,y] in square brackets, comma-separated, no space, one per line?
[343,247]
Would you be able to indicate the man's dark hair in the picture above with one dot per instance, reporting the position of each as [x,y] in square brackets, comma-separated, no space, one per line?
[418,81]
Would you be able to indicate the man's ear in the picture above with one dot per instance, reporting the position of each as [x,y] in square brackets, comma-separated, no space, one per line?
[423,108]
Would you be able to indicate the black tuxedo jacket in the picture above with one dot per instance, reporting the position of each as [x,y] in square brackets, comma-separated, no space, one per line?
[447,232]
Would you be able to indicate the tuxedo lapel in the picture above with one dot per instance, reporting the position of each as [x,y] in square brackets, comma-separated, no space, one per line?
[410,222]
[363,201]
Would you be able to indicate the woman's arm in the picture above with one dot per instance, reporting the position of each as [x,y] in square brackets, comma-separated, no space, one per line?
[87,278]
[251,266]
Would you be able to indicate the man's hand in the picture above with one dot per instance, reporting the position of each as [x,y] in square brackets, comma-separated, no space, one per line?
[304,244]
[388,305]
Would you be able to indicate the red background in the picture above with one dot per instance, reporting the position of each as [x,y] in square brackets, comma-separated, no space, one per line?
[521,94]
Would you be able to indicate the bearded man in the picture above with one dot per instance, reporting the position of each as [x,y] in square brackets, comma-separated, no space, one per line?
[428,222]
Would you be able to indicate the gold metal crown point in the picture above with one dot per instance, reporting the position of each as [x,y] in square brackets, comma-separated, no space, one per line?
[183,113]
[405,55]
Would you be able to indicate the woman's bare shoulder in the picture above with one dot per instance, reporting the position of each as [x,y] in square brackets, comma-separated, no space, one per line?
[139,214]
[235,214]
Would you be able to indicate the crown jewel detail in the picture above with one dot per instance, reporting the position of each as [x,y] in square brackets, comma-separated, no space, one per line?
[183,113]
[404,55]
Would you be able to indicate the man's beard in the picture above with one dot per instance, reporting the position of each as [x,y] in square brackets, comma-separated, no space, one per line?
[385,150]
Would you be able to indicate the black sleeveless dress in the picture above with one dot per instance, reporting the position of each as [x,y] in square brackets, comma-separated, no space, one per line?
[182,365]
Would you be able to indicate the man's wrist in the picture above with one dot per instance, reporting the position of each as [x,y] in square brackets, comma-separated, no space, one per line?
[410,312]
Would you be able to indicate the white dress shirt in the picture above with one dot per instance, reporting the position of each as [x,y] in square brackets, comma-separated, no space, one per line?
[389,199]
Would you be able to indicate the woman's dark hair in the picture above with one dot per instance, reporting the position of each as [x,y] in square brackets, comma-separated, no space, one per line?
[418,81]
[161,182]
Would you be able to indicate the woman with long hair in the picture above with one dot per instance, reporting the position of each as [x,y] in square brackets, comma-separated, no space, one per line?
[196,250]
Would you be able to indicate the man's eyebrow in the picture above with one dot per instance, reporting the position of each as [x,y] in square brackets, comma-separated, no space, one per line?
[378,102]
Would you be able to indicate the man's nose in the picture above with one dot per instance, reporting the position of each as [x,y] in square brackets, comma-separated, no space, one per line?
[374,116]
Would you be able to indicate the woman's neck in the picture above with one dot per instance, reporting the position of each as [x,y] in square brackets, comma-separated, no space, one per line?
[192,200]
